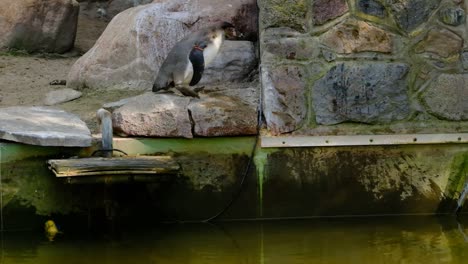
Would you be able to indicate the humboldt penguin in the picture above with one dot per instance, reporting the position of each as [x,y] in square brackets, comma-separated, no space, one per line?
[185,63]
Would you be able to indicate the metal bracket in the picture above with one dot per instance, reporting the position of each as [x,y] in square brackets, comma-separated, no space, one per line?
[105,119]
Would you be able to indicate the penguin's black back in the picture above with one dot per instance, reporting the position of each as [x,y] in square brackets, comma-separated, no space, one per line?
[198,64]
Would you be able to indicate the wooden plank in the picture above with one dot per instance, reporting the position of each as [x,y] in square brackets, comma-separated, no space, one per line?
[143,165]
[116,179]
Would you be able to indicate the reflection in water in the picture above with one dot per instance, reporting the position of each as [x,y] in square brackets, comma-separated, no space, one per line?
[360,240]
[462,231]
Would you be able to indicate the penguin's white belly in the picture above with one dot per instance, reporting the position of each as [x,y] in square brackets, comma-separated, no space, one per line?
[212,49]
[188,73]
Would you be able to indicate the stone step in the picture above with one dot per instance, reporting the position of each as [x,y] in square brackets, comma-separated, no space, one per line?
[43,126]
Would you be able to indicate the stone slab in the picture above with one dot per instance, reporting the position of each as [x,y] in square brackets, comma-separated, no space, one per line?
[43,126]
[153,115]
[231,112]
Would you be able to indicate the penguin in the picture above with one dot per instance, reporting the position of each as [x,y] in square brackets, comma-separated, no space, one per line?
[185,63]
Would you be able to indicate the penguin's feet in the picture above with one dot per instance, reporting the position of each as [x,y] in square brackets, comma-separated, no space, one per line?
[165,91]
[198,89]
[187,91]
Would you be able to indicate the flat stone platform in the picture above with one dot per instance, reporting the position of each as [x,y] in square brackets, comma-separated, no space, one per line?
[43,126]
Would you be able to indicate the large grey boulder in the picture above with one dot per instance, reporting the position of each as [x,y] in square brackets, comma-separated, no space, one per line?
[37,25]
[117,6]
[134,45]
[234,62]
[43,126]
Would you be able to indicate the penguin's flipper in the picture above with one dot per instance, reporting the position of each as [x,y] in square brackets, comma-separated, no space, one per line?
[198,63]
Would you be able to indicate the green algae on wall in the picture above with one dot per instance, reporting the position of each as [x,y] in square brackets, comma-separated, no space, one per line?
[207,162]
[218,145]
[27,181]
[458,176]
[36,187]
[15,152]
[210,170]
[289,182]
[283,13]
[362,180]
[261,161]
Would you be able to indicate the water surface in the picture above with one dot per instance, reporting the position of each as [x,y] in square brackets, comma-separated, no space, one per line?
[354,240]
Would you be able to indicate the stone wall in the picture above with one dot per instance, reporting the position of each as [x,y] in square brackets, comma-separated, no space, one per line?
[364,66]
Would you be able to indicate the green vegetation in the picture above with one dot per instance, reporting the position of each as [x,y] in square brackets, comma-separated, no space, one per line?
[458,175]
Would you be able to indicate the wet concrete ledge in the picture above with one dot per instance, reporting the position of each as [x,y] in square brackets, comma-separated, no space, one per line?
[283,183]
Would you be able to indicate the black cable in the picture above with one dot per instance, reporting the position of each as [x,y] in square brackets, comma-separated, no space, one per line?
[246,172]
[244,176]
[252,154]
[254,148]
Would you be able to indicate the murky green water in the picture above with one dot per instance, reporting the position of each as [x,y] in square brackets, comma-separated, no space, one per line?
[360,240]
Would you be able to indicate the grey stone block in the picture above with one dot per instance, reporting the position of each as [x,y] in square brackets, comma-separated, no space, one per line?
[365,92]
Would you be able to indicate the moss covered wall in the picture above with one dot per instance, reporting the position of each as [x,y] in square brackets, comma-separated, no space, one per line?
[364,180]
[210,173]
[283,182]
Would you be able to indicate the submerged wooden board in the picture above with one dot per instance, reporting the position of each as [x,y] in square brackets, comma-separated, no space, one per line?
[142,165]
